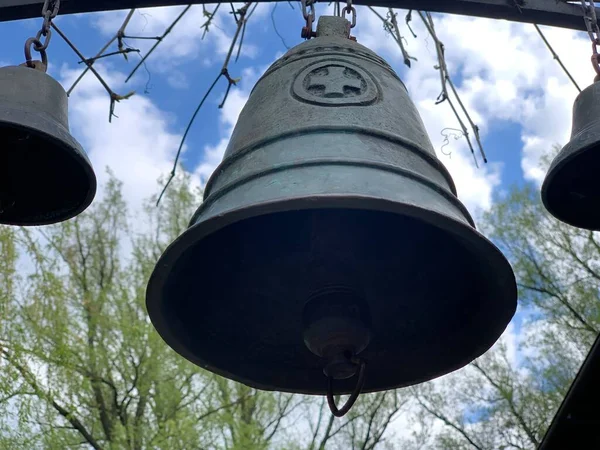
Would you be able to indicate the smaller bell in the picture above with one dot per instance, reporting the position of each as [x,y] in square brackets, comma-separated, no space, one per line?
[571,190]
[45,176]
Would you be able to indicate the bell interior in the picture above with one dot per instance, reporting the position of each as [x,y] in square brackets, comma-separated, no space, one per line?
[234,300]
[41,179]
[573,194]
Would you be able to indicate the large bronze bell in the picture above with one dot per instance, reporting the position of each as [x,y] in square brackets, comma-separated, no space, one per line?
[45,177]
[571,190]
[331,236]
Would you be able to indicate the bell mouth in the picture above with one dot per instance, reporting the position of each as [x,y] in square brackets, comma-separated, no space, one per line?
[570,191]
[45,175]
[229,294]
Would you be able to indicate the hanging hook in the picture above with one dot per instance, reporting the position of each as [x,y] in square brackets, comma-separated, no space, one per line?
[353,397]
[39,47]
[308,12]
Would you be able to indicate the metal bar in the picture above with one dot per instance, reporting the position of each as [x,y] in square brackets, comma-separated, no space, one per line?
[575,425]
[558,13]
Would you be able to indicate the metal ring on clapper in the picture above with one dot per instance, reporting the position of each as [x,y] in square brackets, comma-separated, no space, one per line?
[359,386]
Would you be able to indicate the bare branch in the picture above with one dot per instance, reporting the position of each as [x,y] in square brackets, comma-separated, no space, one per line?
[69,416]
[447,422]
[117,36]
[445,81]
[114,97]
[158,41]
[556,57]
[241,14]
[275,26]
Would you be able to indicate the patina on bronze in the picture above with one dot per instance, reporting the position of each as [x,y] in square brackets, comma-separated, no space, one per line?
[331,238]
[45,176]
[571,190]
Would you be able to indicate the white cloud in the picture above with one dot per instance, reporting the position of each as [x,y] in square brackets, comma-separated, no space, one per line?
[138,146]
[506,73]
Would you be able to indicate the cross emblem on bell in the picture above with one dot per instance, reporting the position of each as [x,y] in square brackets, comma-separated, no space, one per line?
[335,82]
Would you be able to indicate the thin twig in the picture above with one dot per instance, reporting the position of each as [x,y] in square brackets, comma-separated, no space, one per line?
[245,22]
[235,17]
[158,41]
[210,16]
[474,127]
[447,133]
[392,28]
[106,55]
[121,32]
[187,130]
[147,38]
[223,73]
[101,52]
[556,57]
[148,81]
[408,19]
[275,26]
[114,97]
[399,38]
[446,80]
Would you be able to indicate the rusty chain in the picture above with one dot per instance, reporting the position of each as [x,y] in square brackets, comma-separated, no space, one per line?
[49,12]
[591,24]
[308,12]
[349,9]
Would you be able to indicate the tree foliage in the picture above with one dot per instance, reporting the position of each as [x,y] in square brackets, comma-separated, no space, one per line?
[507,398]
[82,366]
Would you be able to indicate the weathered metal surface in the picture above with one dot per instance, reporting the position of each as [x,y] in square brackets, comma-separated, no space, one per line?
[330,181]
[45,176]
[571,191]
[543,12]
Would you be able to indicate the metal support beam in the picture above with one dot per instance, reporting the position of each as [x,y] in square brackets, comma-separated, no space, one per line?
[558,13]
[575,425]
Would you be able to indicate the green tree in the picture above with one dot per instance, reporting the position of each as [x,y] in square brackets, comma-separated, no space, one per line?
[504,400]
[82,366]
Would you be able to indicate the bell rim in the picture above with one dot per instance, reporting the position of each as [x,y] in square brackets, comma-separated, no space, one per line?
[554,172]
[198,231]
[66,143]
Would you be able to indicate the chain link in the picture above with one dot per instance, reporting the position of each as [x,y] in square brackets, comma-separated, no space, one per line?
[349,9]
[49,12]
[308,12]
[591,24]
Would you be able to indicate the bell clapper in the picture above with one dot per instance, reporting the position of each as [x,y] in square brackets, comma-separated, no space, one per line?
[335,329]
[353,397]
